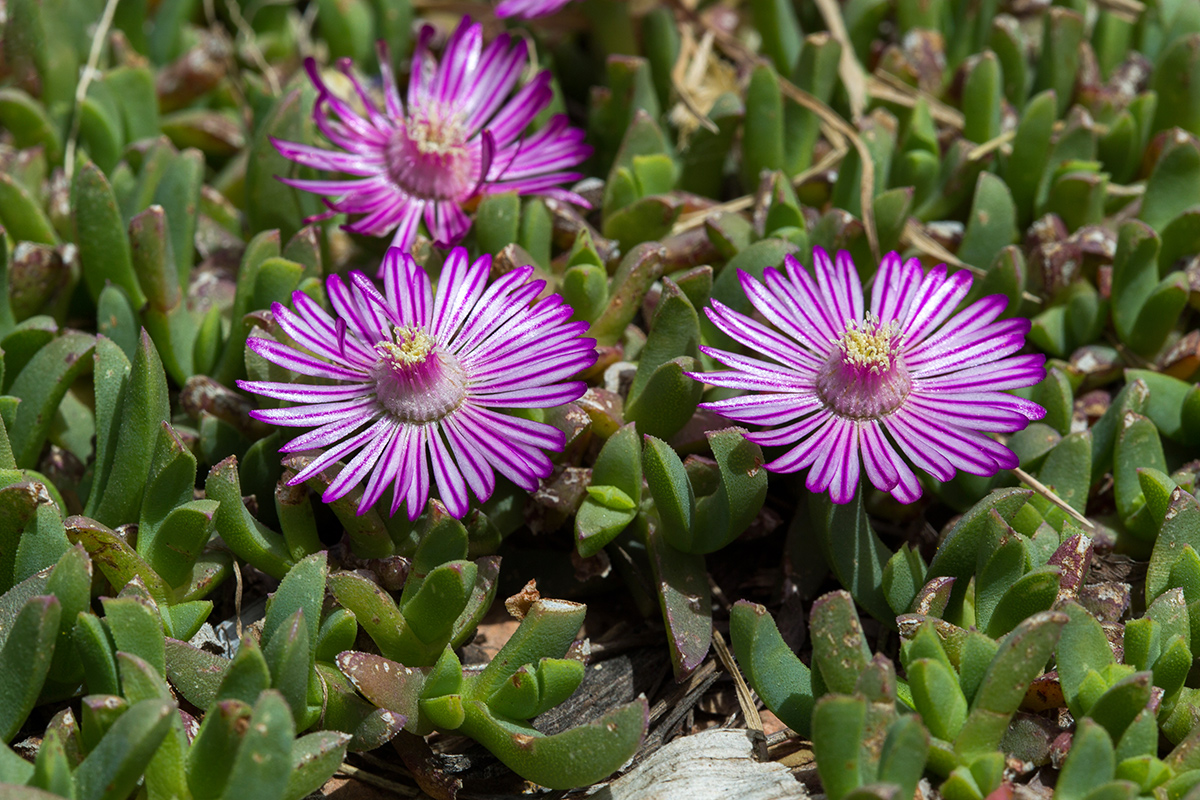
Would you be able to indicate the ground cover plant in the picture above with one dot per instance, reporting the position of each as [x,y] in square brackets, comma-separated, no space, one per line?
[490,399]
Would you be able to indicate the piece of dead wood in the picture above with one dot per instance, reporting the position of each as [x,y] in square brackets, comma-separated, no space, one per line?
[605,686]
[712,763]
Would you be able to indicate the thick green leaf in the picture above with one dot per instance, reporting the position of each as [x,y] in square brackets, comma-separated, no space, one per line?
[269,203]
[287,654]
[638,270]
[28,121]
[1019,660]
[214,748]
[113,768]
[52,769]
[1137,446]
[547,631]
[100,234]
[839,725]
[41,385]
[675,334]
[1089,764]
[1116,709]
[233,364]
[854,551]
[303,588]
[1032,593]
[762,131]
[25,660]
[21,215]
[433,609]
[144,409]
[684,597]
[137,628]
[315,758]
[992,225]
[117,560]
[619,465]
[1174,185]
[263,764]
[376,612]
[1082,647]
[1031,152]
[245,536]
[938,698]
[553,761]
[1180,528]
[674,498]
[97,654]
[166,774]
[772,669]
[1132,397]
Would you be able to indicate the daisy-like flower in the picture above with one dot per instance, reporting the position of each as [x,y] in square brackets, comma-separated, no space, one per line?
[908,376]
[529,9]
[457,138]
[422,378]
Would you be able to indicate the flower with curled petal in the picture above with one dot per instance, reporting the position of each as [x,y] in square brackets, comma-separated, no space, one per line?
[457,135]
[422,379]
[906,376]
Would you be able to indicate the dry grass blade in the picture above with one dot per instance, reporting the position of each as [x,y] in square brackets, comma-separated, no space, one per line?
[251,40]
[915,237]
[886,86]
[867,193]
[834,121]
[991,145]
[838,130]
[237,598]
[699,680]
[745,698]
[697,218]
[372,779]
[688,72]
[1044,491]
[852,74]
[85,80]
[1132,190]
[1128,10]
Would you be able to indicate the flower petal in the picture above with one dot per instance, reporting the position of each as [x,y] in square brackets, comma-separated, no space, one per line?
[894,286]
[452,488]
[290,358]
[362,463]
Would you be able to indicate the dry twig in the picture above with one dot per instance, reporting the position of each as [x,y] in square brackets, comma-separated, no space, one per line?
[1044,491]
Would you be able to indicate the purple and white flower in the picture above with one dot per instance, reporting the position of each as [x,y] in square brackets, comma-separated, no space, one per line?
[421,380]
[906,376]
[529,9]
[457,135]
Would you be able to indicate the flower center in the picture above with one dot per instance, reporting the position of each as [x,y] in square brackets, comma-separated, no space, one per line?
[865,377]
[415,379]
[429,157]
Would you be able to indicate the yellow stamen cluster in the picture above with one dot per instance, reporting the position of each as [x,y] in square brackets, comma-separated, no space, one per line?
[411,347]
[436,134]
[870,344]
